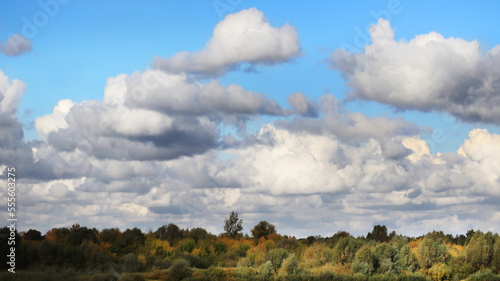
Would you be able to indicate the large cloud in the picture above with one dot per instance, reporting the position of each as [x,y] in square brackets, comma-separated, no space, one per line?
[242,37]
[13,150]
[152,151]
[427,73]
[151,116]
[16,45]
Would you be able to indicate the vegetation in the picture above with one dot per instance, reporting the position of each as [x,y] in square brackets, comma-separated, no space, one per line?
[172,253]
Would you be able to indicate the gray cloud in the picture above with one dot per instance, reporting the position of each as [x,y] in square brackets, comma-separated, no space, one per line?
[427,73]
[16,45]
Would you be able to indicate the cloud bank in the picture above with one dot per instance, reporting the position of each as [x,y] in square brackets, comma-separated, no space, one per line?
[156,148]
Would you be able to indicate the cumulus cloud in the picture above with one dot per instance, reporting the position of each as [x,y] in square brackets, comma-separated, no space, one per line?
[16,45]
[14,151]
[152,151]
[151,115]
[316,173]
[243,37]
[427,73]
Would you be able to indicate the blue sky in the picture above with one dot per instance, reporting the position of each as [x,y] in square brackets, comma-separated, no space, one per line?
[86,42]
[78,45]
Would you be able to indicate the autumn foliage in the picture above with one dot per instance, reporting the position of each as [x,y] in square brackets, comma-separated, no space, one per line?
[172,253]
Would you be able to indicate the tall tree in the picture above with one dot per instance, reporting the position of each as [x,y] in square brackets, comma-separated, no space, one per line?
[233,224]
[379,234]
[263,229]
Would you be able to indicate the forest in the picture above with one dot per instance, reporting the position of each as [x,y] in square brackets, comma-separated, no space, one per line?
[173,253]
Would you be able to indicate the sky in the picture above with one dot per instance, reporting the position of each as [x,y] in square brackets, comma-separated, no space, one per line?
[315,116]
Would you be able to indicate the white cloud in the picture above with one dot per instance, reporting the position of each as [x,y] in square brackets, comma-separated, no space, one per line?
[245,36]
[10,94]
[429,72]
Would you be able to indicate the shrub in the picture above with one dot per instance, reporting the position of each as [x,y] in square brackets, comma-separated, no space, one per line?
[276,257]
[180,270]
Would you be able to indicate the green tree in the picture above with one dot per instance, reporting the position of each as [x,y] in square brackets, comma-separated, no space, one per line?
[479,251]
[346,249]
[276,256]
[379,234]
[431,250]
[496,254]
[171,232]
[198,234]
[78,234]
[386,258]
[263,229]
[131,240]
[233,224]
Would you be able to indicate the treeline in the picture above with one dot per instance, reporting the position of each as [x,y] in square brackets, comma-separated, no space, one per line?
[172,253]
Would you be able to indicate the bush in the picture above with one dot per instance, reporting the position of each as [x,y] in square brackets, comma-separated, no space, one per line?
[107,277]
[131,277]
[180,270]
[196,261]
[276,257]
[187,245]
[289,266]
[484,274]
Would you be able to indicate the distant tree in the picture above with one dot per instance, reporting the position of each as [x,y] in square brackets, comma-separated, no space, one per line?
[496,253]
[379,234]
[479,251]
[364,260]
[57,234]
[78,234]
[110,235]
[469,235]
[198,233]
[131,240]
[32,234]
[346,249]
[386,258]
[233,224]
[263,229]
[431,250]
[171,232]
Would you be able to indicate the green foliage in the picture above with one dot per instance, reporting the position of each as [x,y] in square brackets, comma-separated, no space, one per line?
[346,249]
[364,261]
[187,245]
[496,254]
[484,274]
[266,270]
[289,266]
[440,271]
[276,257]
[131,240]
[199,234]
[479,251]
[386,258]
[78,234]
[379,234]
[431,250]
[407,260]
[263,229]
[180,270]
[233,225]
[130,277]
[171,232]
